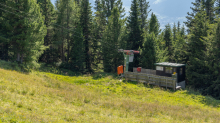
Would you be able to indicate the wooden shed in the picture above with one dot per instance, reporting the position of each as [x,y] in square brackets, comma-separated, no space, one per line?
[167,69]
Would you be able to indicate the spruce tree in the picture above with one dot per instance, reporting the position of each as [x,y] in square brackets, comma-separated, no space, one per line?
[111,36]
[214,58]
[180,48]
[144,6]
[76,61]
[168,42]
[148,52]
[135,36]
[86,23]
[154,25]
[161,49]
[25,30]
[68,18]
[4,42]
[197,69]
[48,11]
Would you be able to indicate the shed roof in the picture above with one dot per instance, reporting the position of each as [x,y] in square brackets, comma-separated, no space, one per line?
[169,64]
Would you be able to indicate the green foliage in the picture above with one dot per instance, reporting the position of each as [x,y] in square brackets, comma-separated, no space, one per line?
[135,35]
[86,24]
[144,6]
[48,11]
[148,52]
[168,42]
[154,25]
[76,62]
[111,36]
[197,68]
[25,31]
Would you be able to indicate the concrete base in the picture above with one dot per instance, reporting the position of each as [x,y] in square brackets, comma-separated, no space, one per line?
[182,84]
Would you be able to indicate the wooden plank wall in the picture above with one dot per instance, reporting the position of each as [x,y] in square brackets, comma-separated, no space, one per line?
[163,81]
[147,71]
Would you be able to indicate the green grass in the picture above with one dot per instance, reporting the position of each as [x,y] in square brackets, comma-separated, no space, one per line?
[101,97]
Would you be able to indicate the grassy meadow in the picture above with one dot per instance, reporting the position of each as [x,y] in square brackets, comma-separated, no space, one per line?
[98,98]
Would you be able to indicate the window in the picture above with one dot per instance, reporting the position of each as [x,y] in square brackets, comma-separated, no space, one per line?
[159,68]
[168,69]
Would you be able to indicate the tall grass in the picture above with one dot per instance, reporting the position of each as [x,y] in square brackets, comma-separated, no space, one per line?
[48,97]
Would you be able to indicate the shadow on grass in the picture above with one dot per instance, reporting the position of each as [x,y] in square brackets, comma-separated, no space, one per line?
[57,70]
[7,65]
[100,75]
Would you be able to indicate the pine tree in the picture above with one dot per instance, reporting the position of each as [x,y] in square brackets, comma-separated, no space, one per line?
[161,49]
[110,4]
[135,36]
[178,27]
[76,62]
[148,52]
[144,6]
[48,11]
[208,6]
[111,36]
[197,69]
[86,23]
[168,41]
[174,32]
[25,30]
[180,48]
[4,42]
[210,9]
[154,25]
[68,18]
[214,58]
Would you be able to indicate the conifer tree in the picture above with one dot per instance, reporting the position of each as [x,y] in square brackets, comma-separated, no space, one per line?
[25,30]
[154,25]
[111,36]
[76,61]
[197,69]
[168,41]
[110,4]
[48,11]
[68,18]
[174,32]
[144,6]
[214,58]
[86,23]
[148,53]
[180,48]
[135,37]
[4,42]
[161,49]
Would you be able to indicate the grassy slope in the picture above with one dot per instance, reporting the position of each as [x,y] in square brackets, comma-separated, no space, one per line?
[47,97]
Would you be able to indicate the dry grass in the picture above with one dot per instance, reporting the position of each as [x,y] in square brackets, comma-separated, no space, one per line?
[46,97]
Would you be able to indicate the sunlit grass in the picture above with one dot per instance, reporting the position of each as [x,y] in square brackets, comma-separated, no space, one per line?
[47,97]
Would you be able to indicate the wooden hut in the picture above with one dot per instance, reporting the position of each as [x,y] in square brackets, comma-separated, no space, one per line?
[167,69]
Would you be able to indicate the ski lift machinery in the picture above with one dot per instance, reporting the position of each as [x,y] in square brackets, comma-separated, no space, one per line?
[128,57]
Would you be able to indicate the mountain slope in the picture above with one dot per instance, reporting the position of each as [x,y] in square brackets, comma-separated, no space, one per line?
[47,97]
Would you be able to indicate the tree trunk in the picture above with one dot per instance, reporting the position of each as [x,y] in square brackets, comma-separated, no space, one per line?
[18,57]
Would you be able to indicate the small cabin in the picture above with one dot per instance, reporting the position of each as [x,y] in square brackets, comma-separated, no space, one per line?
[167,69]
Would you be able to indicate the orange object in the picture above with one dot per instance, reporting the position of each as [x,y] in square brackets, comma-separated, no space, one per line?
[120,69]
[139,69]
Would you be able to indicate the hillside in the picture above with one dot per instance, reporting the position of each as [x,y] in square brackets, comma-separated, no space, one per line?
[47,97]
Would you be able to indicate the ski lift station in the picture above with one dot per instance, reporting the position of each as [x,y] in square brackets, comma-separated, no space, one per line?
[169,75]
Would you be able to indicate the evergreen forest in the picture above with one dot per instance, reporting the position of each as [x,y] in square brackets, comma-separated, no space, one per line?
[71,36]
